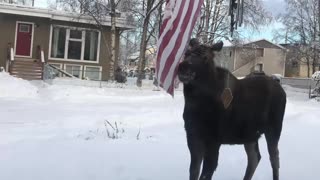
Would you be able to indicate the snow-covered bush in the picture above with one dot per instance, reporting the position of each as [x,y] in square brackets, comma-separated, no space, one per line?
[316,76]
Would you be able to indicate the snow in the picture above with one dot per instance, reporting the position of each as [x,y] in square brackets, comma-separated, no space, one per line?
[316,76]
[58,131]
[15,88]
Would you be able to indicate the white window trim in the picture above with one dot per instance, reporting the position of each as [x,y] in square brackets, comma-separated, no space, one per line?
[16,36]
[261,64]
[81,69]
[100,69]
[79,40]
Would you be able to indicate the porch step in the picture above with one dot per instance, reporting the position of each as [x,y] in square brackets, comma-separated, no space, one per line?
[21,69]
[28,69]
[27,73]
[30,78]
[30,66]
[20,59]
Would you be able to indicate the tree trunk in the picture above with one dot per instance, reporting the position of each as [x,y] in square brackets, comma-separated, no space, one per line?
[113,40]
[142,57]
[207,20]
[318,33]
[308,66]
[144,39]
[314,61]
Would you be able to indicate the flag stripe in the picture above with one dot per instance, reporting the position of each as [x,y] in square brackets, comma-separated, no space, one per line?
[177,52]
[180,17]
[174,42]
[169,81]
[166,26]
[166,35]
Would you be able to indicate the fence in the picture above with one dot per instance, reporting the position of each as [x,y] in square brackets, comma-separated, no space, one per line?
[82,78]
[54,75]
[303,83]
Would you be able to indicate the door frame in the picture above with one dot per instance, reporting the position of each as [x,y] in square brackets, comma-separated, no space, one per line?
[15,39]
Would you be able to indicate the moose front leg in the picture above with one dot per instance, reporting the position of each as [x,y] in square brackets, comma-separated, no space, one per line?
[210,161]
[196,148]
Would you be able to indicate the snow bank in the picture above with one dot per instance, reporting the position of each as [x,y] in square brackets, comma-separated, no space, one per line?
[316,76]
[16,87]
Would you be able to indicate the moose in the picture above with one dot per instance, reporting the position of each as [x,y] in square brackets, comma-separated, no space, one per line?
[220,109]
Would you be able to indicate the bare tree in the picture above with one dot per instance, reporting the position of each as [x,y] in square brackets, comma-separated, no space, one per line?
[149,7]
[214,21]
[301,27]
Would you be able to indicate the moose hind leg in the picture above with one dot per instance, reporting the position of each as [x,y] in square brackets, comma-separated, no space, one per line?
[210,161]
[273,150]
[253,154]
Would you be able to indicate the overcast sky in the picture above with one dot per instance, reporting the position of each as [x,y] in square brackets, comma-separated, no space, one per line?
[275,6]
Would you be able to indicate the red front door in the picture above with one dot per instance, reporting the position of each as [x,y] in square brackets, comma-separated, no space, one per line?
[24,39]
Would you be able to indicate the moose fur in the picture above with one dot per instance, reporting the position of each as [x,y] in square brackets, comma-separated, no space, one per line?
[257,107]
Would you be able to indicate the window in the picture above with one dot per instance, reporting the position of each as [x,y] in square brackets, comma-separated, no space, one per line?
[58,42]
[24,28]
[74,50]
[92,72]
[259,67]
[75,70]
[74,44]
[259,52]
[91,46]
[75,34]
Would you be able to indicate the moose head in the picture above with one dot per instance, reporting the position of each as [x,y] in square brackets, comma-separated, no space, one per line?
[198,62]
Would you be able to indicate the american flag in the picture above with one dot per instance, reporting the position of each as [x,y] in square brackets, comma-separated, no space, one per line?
[179,19]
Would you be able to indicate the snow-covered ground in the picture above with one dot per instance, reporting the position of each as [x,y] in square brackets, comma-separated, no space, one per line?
[60,132]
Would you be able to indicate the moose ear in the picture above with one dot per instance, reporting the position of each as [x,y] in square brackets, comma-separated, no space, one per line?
[217,46]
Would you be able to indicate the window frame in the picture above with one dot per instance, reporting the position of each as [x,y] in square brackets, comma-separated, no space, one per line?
[82,40]
[81,69]
[100,69]
[262,66]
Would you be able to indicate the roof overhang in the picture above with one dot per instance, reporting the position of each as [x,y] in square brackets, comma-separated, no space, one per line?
[121,22]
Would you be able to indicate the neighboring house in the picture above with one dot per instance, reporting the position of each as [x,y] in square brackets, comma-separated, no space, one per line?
[261,55]
[31,37]
[296,63]
[133,60]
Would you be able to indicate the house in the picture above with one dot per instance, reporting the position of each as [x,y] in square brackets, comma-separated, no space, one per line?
[299,61]
[261,55]
[69,42]
[133,60]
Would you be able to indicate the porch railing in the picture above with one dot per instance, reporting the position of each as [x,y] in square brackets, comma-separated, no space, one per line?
[49,72]
[42,61]
[10,57]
